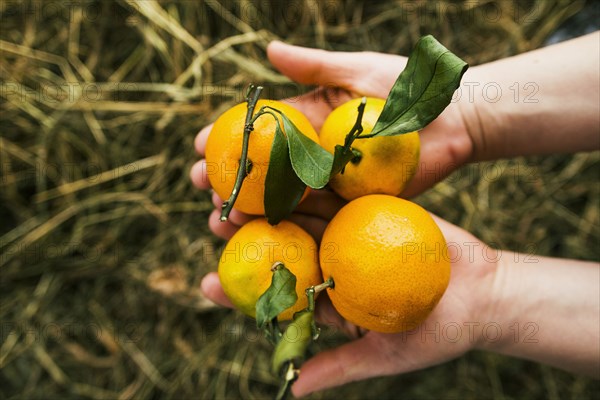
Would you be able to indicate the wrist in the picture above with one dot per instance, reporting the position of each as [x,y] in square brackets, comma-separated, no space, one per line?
[495,321]
[529,104]
[479,122]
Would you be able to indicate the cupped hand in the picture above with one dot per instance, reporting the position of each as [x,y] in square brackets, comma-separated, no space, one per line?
[340,76]
[452,329]
[445,145]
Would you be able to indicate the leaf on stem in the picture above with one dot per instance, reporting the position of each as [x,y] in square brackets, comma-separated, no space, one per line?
[283,188]
[280,296]
[294,341]
[422,91]
[311,162]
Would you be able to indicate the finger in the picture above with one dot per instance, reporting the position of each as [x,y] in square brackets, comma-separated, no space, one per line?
[216,200]
[236,217]
[321,203]
[212,289]
[326,314]
[359,359]
[313,225]
[317,104]
[318,67]
[199,176]
[201,138]
[359,73]
[224,230]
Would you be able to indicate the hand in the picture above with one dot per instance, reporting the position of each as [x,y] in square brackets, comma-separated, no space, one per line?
[445,143]
[445,146]
[516,295]
[451,330]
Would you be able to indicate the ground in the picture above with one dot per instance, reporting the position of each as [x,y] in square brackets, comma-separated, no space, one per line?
[103,239]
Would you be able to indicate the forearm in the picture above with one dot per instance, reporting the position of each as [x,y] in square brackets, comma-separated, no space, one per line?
[542,102]
[548,310]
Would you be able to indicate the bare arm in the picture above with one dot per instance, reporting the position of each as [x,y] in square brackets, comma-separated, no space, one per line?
[548,310]
[546,101]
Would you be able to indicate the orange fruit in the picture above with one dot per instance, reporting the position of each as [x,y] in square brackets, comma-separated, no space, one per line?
[386,164]
[245,264]
[224,150]
[388,260]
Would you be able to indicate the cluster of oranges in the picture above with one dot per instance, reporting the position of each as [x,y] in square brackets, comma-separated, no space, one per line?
[385,254]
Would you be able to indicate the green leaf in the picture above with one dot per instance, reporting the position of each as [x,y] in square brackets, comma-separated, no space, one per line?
[311,162]
[340,159]
[295,341]
[280,296]
[283,188]
[422,91]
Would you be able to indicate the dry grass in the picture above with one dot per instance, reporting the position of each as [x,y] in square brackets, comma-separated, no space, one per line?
[103,240]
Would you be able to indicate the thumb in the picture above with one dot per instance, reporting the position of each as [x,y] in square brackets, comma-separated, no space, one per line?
[360,73]
[315,66]
[359,359]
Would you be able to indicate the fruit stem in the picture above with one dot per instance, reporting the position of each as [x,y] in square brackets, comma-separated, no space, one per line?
[291,374]
[311,291]
[370,135]
[357,128]
[252,97]
[353,134]
[357,156]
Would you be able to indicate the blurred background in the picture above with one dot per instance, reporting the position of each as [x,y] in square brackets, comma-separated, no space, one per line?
[103,239]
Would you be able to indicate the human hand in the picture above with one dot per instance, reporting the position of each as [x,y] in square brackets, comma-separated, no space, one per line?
[451,330]
[445,143]
[516,295]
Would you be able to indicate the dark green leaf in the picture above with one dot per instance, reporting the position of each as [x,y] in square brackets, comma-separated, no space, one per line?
[340,159]
[422,91]
[294,341]
[283,188]
[280,296]
[311,162]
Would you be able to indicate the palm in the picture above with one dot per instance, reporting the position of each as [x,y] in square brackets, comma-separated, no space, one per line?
[443,336]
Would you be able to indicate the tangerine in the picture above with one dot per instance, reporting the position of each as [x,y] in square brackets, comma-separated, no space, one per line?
[388,260]
[245,264]
[224,150]
[383,165]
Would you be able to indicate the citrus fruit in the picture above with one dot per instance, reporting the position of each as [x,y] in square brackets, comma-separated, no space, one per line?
[388,260]
[245,264]
[385,165]
[224,150]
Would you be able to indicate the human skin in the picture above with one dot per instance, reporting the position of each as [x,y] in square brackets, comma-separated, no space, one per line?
[559,299]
